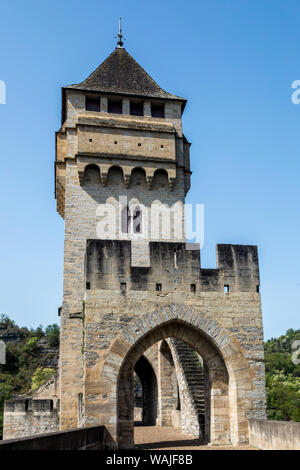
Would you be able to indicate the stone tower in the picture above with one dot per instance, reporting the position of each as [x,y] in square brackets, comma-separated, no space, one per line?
[132,288]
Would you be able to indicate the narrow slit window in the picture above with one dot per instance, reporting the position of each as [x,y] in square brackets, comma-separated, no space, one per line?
[123,287]
[92,104]
[80,408]
[88,285]
[257,289]
[193,288]
[175,259]
[158,287]
[226,288]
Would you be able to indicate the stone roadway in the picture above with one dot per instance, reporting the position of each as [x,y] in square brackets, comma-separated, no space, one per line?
[163,438]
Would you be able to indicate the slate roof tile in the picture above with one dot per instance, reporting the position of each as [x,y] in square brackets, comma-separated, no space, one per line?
[121,74]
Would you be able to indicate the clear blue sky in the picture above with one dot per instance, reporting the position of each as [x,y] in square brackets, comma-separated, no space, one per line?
[234,61]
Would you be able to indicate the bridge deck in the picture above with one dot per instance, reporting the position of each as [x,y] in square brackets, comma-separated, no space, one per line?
[152,437]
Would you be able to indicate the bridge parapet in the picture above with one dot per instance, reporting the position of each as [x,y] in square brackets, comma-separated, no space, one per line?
[87,438]
[274,435]
[26,417]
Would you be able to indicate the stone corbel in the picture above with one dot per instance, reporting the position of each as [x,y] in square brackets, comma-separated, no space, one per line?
[104,173]
[171,183]
[126,180]
[149,176]
[80,176]
[149,181]
[103,176]
[127,176]
[127,170]
[171,178]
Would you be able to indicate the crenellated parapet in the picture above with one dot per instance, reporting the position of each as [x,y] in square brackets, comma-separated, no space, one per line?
[173,266]
[26,417]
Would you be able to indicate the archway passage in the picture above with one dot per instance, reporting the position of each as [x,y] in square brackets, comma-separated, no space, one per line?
[218,379]
[147,377]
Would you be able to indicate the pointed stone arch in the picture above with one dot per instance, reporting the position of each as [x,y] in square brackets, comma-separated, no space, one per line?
[229,373]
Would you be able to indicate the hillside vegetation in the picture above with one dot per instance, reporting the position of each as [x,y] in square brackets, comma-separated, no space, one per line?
[31,357]
[283,376]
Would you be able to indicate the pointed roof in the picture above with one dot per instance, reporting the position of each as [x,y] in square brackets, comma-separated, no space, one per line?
[121,74]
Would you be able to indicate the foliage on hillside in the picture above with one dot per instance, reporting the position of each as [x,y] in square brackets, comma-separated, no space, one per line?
[41,374]
[283,377]
[31,356]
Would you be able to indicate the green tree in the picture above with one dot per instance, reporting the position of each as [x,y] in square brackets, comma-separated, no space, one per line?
[40,376]
[31,345]
[6,321]
[283,396]
[52,335]
[23,357]
[282,378]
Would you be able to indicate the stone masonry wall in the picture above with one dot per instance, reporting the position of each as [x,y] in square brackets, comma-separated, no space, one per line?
[110,312]
[80,225]
[27,417]
[274,435]
[167,381]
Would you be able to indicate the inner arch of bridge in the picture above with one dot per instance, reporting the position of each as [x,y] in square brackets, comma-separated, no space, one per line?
[217,372]
[230,378]
[148,380]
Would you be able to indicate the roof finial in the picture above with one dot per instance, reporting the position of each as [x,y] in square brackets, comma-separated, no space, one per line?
[120,35]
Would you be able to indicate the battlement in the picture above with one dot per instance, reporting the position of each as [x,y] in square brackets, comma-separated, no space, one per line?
[173,266]
[30,405]
[25,417]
